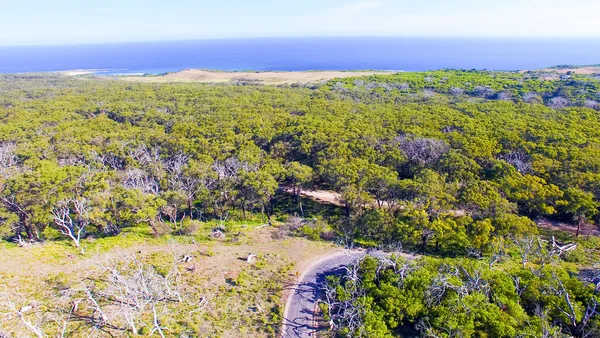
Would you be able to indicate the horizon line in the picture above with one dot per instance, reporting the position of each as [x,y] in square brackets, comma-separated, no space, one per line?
[309,37]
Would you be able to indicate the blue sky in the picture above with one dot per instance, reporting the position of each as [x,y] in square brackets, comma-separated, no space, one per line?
[27,22]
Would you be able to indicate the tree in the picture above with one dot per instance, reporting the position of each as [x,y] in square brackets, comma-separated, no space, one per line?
[192,178]
[558,102]
[482,200]
[8,159]
[422,152]
[577,315]
[128,292]
[532,97]
[30,195]
[533,194]
[263,185]
[299,175]
[72,217]
[581,205]
[10,308]
[138,207]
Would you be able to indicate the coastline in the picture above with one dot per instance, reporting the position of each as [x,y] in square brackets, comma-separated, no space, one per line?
[262,77]
[76,72]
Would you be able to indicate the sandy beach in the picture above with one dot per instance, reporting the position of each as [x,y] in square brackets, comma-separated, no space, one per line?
[76,72]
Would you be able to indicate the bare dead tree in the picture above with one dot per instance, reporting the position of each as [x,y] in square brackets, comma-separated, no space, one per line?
[9,310]
[8,158]
[548,330]
[110,161]
[71,218]
[422,151]
[346,312]
[71,160]
[456,91]
[141,180]
[339,87]
[518,159]
[403,87]
[428,93]
[145,155]
[231,168]
[188,183]
[401,267]
[576,326]
[483,91]
[427,330]
[558,249]
[518,287]
[592,276]
[532,97]
[84,308]
[175,167]
[498,254]
[526,246]
[228,175]
[458,280]
[441,284]
[558,102]
[591,104]
[136,289]
[504,96]
[542,252]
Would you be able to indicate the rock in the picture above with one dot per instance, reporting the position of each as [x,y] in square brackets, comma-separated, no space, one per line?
[251,259]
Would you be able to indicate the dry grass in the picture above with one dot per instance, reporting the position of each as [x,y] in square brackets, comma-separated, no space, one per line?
[582,70]
[268,78]
[240,296]
[554,72]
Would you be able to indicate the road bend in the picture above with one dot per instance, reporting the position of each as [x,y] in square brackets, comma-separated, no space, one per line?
[301,308]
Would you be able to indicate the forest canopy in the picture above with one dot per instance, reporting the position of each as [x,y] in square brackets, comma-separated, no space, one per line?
[449,163]
[114,155]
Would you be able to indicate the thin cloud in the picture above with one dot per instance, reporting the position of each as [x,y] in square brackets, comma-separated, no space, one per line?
[353,9]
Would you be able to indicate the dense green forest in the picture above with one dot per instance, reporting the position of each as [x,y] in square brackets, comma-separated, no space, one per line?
[452,164]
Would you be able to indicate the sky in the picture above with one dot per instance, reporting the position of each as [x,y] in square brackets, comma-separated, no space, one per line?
[34,22]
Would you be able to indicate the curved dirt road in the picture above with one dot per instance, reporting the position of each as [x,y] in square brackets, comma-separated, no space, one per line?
[301,305]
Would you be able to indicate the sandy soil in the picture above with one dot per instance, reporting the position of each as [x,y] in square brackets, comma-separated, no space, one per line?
[321,196]
[268,78]
[586,230]
[214,265]
[582,71]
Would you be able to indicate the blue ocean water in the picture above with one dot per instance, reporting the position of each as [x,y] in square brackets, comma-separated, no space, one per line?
[296,54]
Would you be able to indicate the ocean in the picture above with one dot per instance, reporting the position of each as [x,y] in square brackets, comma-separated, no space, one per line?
[300,54]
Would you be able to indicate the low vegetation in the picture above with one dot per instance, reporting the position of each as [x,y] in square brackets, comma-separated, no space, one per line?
[457,165]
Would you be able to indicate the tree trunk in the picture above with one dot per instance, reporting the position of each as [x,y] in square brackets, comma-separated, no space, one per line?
[154,227]
[580,221]
[298,200]
[190,208]
[268,211]
[27,227]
